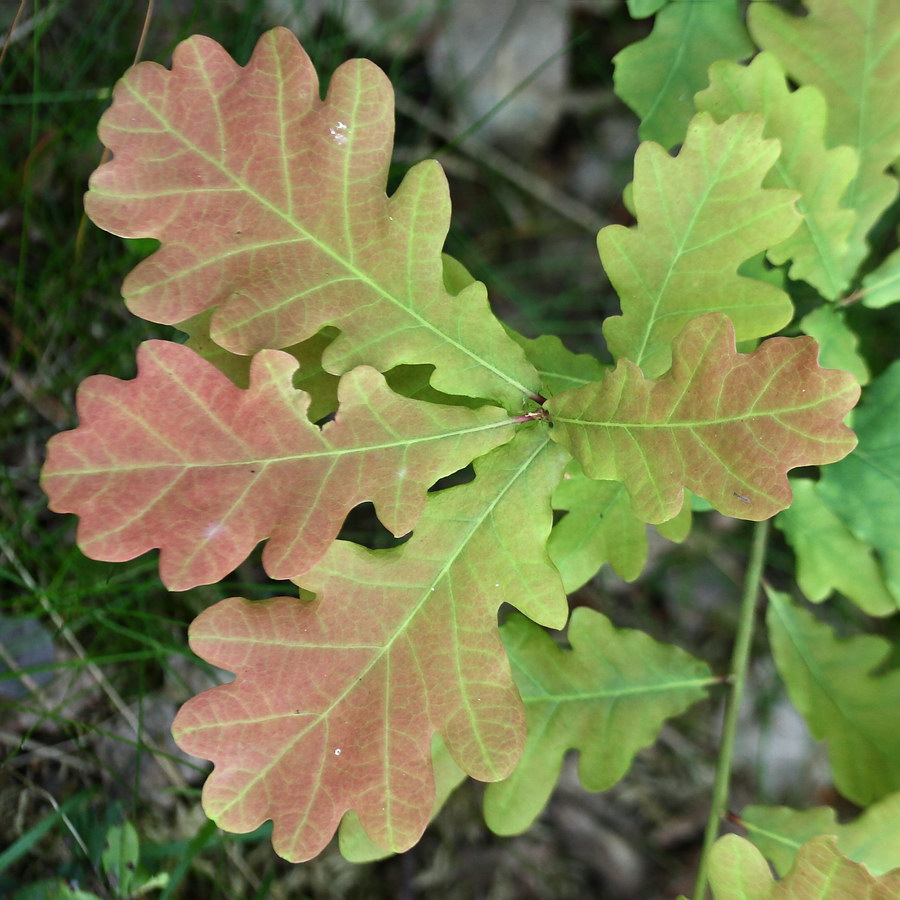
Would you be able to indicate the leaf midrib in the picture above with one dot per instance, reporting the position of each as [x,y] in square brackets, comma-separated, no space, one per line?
[399,630]
[325,248]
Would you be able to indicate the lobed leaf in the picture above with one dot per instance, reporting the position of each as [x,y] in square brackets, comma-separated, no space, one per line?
[820,176]
[182,459]
[849,50]
[700,216]
[830,682]
[271,208]
[872,839]
[829,557]
[864,490]
[726,425]
[658,76]
[599,527]
[335,701]
[737,871]
[608,696]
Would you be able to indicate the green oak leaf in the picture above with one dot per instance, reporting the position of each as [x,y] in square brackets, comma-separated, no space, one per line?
[297,231]
[829,557]
[864,489]
[881,287]
[182,459]
[335,701]
[607,696]
[821,176]
[700,216]
[838,344]
[830,681]
[660,436]
[600,526]
[848,49]
[872,839]
[738,871]
[658,76]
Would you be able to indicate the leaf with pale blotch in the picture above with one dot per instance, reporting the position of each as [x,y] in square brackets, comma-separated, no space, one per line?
[881,287]
[830,681]
[838,344]
[818,247]
[700,216]
[335,701]
[658,76]
[599,527]
[829,557]
[726,425]
[872,839]
[864,489]
[608,697]
[849,50]
[270,205]
[181,459]
[738,871]
[356,846]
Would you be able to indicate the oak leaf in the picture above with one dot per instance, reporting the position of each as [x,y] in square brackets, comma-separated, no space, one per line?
[726,425]
[335,701]
[700,216]
[270,205]
[848,49]
[608,696]
[182,459]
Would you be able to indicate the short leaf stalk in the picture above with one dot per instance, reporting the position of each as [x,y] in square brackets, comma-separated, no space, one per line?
[740,660]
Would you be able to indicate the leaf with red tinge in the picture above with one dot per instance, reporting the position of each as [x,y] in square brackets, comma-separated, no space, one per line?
[737,871]
[727,425]
[335,701]
[182,459]
[271,207]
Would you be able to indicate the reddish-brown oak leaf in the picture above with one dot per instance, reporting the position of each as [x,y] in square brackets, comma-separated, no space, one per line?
[271,207]
[182,459]
[724,424]
[335,701]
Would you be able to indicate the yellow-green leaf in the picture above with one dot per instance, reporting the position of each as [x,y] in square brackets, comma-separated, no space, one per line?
[700,216]
[818,247]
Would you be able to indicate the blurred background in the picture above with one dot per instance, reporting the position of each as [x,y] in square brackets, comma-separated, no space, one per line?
[514,97]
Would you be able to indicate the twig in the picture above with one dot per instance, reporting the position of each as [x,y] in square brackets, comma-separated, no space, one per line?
[740,660]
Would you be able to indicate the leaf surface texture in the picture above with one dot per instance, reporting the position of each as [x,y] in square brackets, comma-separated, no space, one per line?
[335,701]
[817,249]
[270,205]
[700,216]
[694,427]
[608,696]
[831,682]
[181,459]
[850,51]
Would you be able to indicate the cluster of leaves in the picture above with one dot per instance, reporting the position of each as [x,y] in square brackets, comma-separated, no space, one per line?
[336,357]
